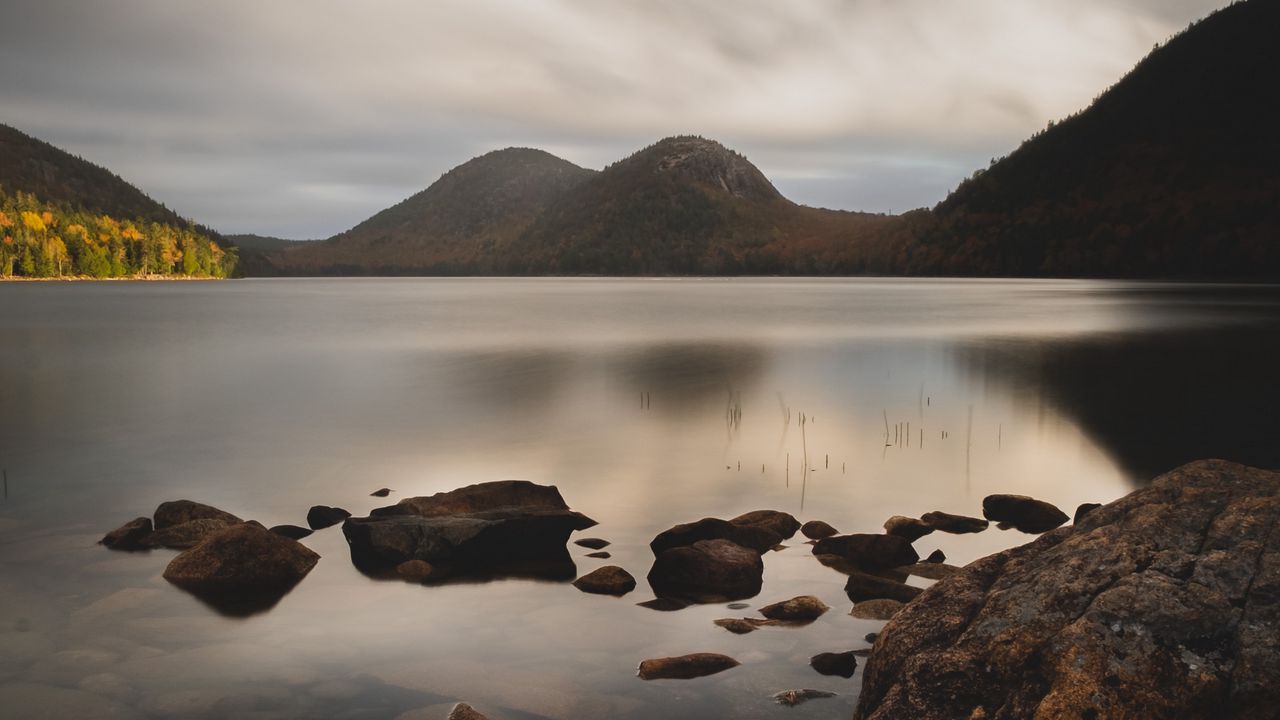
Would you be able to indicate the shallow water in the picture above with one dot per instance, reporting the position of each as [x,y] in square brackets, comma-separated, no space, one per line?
[647,402]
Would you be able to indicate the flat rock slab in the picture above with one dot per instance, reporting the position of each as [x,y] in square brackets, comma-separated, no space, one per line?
[685,667]
[1163,604]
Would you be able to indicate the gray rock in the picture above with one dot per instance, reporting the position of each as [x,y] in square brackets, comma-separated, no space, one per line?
[176,512]
[931,571]
[1160,605]
[954,524]
[608,580]
[908,528]
[130,536]
[871,552]
[320,517]
[1023,513]
[685,667]
[817,529]
[842,664]
[801,608]
[242,569]
[707,571]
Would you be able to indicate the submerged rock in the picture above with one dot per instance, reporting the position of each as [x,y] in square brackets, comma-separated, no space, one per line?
[320,517]
[592,543]
[869,551]
[1162,604]
[1023,513]
[130,536]
[802,608]
[707,571]
[817,529]
[908,528]
[1084,509]
[176,512]
[931,571]
[685,667]
[882,609]
[293,532]
[511,527]
[841,664]
[188,534]
[791,698]
[954,524]
[866,586]
[608,580]
[241,569]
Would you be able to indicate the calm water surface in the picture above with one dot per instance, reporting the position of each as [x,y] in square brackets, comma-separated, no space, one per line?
[265,397]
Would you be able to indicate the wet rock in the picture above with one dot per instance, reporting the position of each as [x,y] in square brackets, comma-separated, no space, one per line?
[592,543]
[130,536]
[738,626]
[1084,509]
[869,551]
[931,571]
[866,586]
[937,556]
[908,528]
[759,539]
[707,571]
[242,569]
[664,604]
[176,512]
[320,517]
[685,667]
[293,532]
[188,534]
[415,570]
[781,524]
[882,609]
[1159,605]
[954,524]
[817,529]
[1023,513]
[841,664]
[608,580]
[463,711]
[801,608]
[380,492]
[603,555]
[791,698]
[512,527]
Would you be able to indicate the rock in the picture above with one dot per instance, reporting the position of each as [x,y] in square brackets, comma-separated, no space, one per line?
[882,609]
[910,529]
[130,536]
[740,626]
[415,570]
[176,512]
[872,552]
[188,534]
[241,569]
[320,517]
[380,492]
[954,524]
[931,571]
[871,637]
[707,571]
[293,532]
[592,543]
[791,698]
[817,529]
[512,527]
[737,606]
[603,555]
[759,539]
[1026,514]
[781,524]
[685,667]
[1162,604]
[801,608]
[937,556]
[664,604]
[865,586]
[463,711]
[608,580]
[1084,509]
[841,664]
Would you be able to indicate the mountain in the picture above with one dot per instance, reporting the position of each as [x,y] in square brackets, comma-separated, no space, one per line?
[684,205]
[1172,172]
[459,224]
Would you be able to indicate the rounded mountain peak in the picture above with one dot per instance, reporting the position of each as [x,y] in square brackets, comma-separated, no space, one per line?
[708,163]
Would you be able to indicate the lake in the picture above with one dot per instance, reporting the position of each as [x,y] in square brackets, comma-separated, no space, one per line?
[648,402]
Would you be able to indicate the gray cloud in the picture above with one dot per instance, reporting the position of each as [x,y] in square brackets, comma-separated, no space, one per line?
[302,117]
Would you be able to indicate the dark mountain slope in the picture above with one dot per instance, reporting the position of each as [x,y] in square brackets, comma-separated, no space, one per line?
[1174,171]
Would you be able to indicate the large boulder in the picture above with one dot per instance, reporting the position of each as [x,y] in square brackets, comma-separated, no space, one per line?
[757,537]
[707,571]
[242,569]
[869,551]
[176,512]
[511,527]
[1024,513]
[783,524]
[1163,604]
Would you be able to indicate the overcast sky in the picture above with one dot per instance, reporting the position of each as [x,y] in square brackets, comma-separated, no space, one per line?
[299,118]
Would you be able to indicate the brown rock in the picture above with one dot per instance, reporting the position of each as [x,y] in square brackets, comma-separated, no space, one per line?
[1084,509]
[241,569]
[685,667]
[871,552]
[130,536]
[781,524]
[1024,513]
[954,524]
[882,609]
[707,571]
[866,586]
[176,512]
[592,543]
[740,626]
[188,534]
[907,528]
[608,580]
[801,608]
[842,664]
[463,711]
[293,532]
[415,570]
[931,571]
[817,529]
[758,538]
[320,517]
[380,492]
[1160,605]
